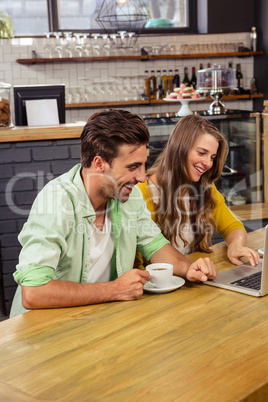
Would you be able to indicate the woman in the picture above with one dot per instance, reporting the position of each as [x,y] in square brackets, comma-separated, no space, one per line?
[181,194]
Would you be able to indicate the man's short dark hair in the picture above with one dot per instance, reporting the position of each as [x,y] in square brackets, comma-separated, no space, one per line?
[106,130]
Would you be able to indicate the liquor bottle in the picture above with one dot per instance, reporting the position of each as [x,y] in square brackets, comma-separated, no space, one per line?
[164,83]
[146,84]
[159,89]
[152,85]
[176,80]
[239,78]
[228,79]
[170,80]
[253,86]
[186,80]
[201,66]
[253,39]
[193,79]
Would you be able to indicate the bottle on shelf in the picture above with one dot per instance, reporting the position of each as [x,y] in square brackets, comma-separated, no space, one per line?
[152,85]
[253,39]
[201,66]
[164,83]
[186,79]
[170,80]
[193,78]
[253,86]
[146,84]
[228,77]
[159,89]
[176,80]
[239,79]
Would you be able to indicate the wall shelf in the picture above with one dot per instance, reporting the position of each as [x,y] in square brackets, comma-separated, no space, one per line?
[143,57]
[153,102]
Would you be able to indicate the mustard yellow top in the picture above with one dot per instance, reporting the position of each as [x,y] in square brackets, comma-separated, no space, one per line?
[225,220]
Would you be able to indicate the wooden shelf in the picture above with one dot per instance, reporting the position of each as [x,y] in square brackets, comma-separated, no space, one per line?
[143,57]
[103,104]
[153,102]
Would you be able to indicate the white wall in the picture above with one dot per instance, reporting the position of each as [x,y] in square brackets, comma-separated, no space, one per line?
[70,73]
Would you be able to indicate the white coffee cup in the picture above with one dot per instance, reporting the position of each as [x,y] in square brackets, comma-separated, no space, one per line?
[161,274]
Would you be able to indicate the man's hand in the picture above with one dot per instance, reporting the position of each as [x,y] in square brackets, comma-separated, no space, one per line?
[129,286]
[201,270]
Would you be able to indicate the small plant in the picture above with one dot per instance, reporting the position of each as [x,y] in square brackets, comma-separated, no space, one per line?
[6,26]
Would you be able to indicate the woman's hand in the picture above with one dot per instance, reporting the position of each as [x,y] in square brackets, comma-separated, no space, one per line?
[236,242]
[235,252]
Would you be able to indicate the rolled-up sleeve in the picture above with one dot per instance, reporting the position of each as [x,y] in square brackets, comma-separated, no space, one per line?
[43,240]
[36,276]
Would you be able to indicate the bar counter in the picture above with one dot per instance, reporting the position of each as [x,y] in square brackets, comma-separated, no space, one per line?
[25,133]
[197,343]
[73,130]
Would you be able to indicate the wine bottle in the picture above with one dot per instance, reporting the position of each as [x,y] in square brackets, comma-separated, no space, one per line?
[152,85]
[146,84]
[176,80]
[186,79]
[159,89]
[164,82]
[239,78]
[170,80]
[193,78]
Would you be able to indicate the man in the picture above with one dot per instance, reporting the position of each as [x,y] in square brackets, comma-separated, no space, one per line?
[79,243]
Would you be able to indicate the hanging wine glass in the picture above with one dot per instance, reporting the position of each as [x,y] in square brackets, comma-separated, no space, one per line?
[113,48]
[49,46]
[105,48]
[88,46]
[79,44]
[96,46]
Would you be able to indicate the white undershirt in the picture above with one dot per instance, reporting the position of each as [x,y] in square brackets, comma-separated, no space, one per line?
[187,230]
[101,252]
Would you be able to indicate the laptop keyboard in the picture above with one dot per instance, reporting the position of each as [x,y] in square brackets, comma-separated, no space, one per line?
[252,281]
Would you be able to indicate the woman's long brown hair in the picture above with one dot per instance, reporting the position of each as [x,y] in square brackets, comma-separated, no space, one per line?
[176,186]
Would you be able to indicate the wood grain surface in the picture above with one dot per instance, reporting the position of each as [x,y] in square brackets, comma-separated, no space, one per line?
[197,343]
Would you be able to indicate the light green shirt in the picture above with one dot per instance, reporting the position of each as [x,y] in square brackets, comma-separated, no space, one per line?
[56,238]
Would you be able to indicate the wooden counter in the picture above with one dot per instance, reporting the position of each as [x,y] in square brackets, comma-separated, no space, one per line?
[25,133]
[197,343]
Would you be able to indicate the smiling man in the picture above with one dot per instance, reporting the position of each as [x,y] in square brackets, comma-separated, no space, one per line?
[80,240]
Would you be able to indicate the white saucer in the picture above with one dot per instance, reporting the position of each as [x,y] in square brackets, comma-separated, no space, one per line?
[176,283]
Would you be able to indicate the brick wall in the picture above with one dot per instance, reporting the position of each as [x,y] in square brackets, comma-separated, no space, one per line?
[25,168]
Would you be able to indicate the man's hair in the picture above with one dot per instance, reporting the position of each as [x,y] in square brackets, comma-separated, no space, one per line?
[106,130]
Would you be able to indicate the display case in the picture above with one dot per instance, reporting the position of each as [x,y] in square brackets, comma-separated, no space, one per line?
[241,181]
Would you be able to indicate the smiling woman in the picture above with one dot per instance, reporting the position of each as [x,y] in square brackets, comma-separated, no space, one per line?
[181,194]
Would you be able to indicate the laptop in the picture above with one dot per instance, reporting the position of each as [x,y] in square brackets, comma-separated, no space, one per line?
[244,278]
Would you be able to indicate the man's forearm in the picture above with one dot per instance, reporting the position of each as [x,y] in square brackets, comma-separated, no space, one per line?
[58,293]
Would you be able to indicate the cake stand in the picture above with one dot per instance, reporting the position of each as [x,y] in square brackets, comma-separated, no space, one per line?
[185,108]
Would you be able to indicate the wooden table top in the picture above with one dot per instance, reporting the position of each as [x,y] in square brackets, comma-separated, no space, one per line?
[197,343]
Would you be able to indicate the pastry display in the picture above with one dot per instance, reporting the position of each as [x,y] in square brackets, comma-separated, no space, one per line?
[216,82]
[184,92]
[5,115]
